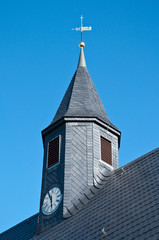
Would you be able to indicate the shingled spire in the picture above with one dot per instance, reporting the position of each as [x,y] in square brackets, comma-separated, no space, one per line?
[81,98]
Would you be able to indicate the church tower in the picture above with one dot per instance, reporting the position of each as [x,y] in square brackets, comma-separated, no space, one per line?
[80,150]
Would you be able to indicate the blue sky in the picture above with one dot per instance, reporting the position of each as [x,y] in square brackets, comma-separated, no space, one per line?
[38,57]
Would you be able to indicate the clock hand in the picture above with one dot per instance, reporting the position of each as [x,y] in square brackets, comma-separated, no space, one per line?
[50,196]
[51,201]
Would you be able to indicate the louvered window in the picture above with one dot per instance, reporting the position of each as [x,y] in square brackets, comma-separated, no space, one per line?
[106,151]
[53,152]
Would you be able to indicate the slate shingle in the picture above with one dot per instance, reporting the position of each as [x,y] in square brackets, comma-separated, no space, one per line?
[22,231]
[82,100]
[127,207]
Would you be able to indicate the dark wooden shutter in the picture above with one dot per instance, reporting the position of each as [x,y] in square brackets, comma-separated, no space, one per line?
[106,151]
[53,152]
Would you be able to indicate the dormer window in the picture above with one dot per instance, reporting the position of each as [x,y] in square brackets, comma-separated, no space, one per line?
[53,152]
[106,150]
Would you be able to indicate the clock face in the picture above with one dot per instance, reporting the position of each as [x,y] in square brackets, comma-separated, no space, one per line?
[51,201]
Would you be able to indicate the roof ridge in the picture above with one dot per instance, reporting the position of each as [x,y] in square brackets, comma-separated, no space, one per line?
[74,78]
[99,109]
[23,221]
[71,84]
[137,159]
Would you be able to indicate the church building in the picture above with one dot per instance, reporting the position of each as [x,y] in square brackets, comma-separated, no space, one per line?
[84,193]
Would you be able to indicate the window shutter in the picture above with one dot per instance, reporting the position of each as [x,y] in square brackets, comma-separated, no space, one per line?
[53,152]
[106,151]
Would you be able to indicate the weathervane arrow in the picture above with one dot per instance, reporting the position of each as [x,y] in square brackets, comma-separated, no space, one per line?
[81,29]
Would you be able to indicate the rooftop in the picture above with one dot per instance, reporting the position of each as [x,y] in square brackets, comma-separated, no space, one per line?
[126,207]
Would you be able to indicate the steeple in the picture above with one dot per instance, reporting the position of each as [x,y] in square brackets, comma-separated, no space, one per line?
[80,149]
[81,98]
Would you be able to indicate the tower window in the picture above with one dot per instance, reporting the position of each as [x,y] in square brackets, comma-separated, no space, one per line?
[53,152]
[106,150]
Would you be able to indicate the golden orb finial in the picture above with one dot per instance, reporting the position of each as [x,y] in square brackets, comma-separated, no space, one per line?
[82,45]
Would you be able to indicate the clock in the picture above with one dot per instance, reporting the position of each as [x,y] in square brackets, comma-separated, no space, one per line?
[51,201]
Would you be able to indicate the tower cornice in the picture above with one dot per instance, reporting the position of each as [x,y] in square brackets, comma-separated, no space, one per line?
[75,120]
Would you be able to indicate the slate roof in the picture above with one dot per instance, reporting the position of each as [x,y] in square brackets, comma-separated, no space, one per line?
[127,207]
[22,231]
[82,100]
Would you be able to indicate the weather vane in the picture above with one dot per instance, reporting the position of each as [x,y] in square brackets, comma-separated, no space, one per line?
[82,28]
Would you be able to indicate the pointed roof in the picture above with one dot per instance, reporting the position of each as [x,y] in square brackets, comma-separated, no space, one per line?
[81,98]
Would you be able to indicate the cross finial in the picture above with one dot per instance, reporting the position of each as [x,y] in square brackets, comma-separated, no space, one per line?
[81,29]
[81,26]
[81,19]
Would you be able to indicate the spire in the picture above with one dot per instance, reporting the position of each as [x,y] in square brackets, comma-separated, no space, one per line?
[81,98]
[81,62]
